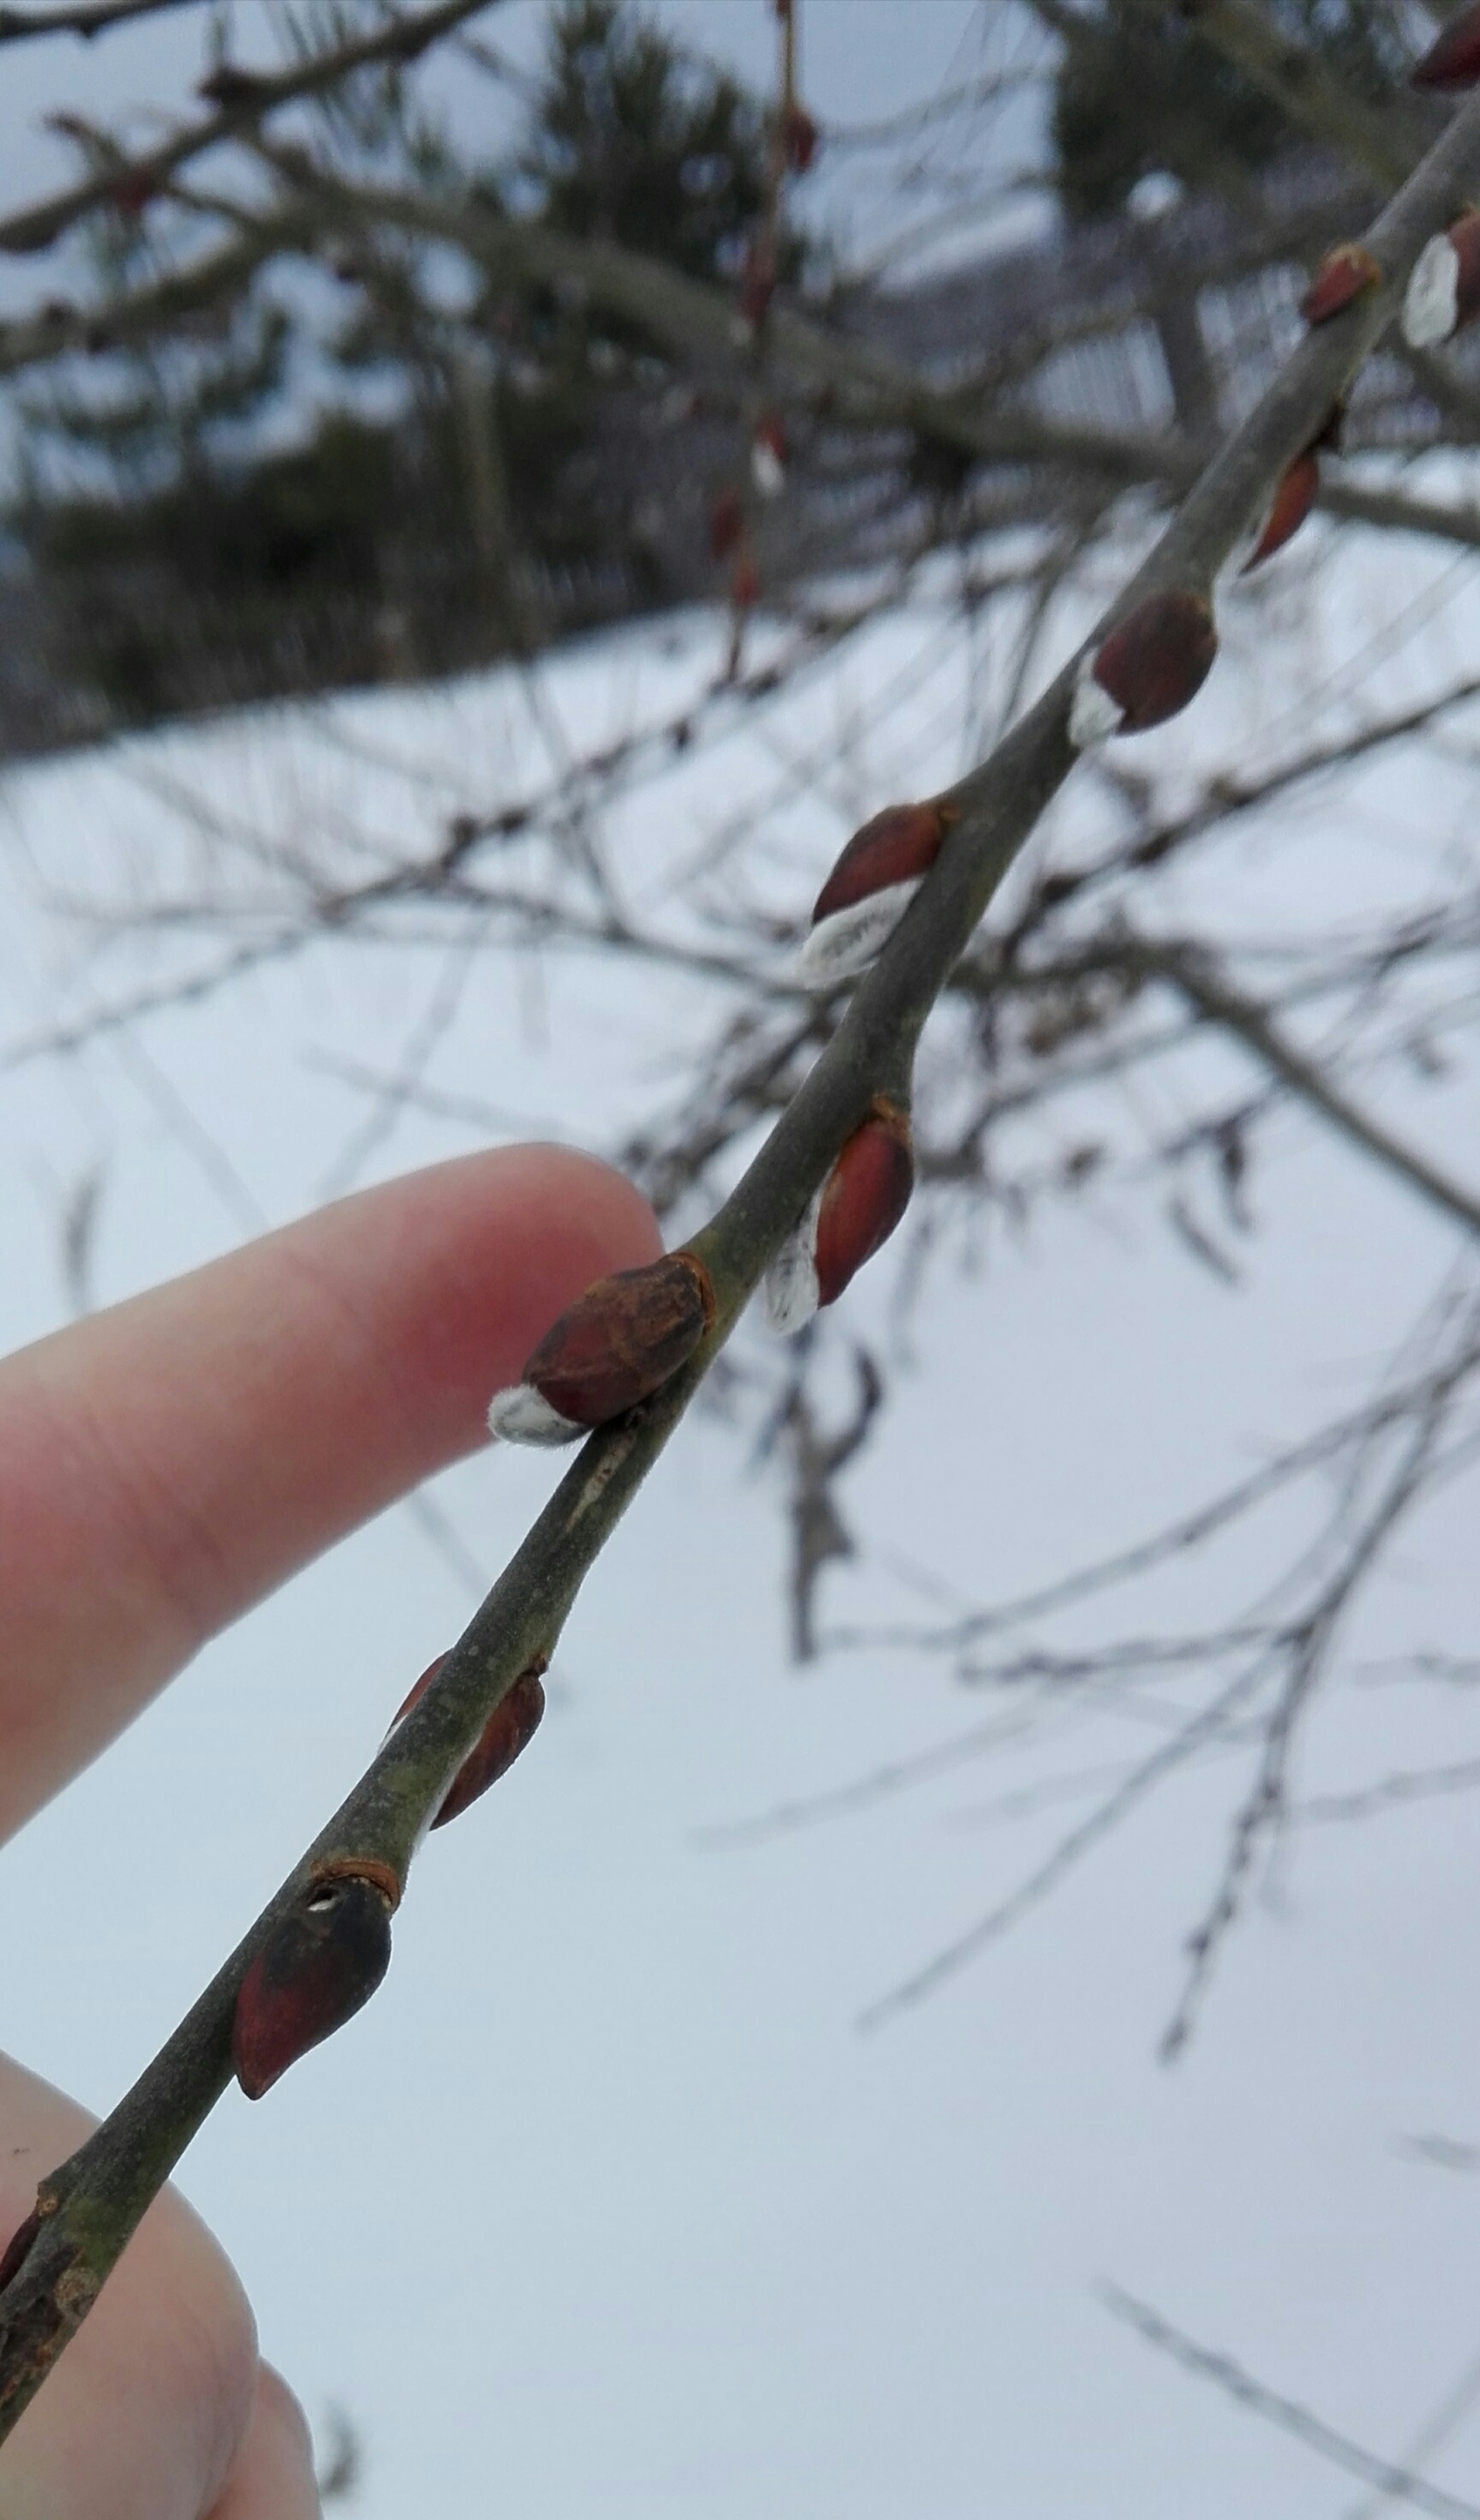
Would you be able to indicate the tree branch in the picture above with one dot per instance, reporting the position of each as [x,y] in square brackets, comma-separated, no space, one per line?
[87,2209]
[1214,996]
[34,229]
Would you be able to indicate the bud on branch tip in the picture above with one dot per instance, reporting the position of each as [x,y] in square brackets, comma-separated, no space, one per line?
[1148,667]
[319,1965]
[611,1348]
[852,1215]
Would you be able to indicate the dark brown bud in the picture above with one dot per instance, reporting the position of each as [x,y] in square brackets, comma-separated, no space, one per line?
[1342,275]
[509,1729]
[1292,502]
[1150,665]
[867,1193]
[319,1965]
[613,1347]
[134,188]
[1452,58]
[1443,292]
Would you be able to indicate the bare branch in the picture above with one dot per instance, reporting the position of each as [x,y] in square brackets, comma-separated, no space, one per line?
[1397,2484]
[87,2209]
[251,98]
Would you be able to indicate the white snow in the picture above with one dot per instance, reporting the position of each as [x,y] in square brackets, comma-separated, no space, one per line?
[604,2205]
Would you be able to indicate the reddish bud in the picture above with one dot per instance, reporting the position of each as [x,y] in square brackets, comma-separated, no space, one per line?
[1443,292]
[903,840]
[1152,664]
[859,1206]
[319,1965]
[1292,502]
[801,139]
[869,889]
[1452,58]
[867,1192]
[727,524]
[1343,275]
[611,1348]
[745,583]
[509,1729]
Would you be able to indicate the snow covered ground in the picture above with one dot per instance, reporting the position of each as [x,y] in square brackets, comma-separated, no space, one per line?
[606,2204]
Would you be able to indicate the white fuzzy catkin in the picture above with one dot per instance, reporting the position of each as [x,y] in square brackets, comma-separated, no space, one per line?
[845,942]
[523,1415]
[1093,713]
[1431,299]
[789,1290]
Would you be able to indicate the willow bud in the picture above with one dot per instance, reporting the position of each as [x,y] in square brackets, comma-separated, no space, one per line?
[509,1729]
[1292,502]
[1443,292]
[1452,58]
[871,886]
[611,1348]
[1149,666]
[320,1963]
[1342,275]
[852,1215]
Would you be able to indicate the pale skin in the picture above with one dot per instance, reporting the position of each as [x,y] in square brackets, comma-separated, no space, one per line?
[162,1466]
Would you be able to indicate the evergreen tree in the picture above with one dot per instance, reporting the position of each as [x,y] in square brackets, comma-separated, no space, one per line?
[1121,101]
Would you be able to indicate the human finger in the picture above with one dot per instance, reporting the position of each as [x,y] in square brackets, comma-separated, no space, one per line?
[165,1464]
[272,2477]
[143,2417]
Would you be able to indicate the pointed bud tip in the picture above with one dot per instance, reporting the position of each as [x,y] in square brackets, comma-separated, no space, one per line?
[893,847]
[508,1733]
[864,1198]
[1292,502]
[1342,275]
[321,1962]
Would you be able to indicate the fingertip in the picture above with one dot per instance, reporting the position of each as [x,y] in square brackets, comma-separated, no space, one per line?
[273,2476]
